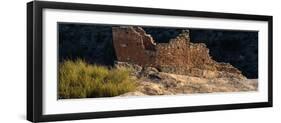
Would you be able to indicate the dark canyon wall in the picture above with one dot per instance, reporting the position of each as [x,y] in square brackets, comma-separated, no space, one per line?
[94,44]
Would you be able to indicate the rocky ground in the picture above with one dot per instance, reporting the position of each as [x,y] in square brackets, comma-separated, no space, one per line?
[153,82]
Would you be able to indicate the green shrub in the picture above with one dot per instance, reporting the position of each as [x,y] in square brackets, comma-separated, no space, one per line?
[78,79]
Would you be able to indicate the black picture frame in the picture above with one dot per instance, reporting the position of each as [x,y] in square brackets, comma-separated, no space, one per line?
[34,60]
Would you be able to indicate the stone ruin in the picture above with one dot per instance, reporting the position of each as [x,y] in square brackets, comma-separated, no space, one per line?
[179,56]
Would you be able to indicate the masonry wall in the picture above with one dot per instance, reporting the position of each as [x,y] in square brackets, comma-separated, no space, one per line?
[133,45]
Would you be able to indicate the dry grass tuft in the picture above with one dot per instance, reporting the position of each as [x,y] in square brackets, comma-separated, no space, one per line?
[78,79]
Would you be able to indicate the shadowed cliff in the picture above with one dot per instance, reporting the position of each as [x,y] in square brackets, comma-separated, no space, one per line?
[94,44]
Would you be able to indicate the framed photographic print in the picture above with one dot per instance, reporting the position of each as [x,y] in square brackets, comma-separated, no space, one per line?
[95,61]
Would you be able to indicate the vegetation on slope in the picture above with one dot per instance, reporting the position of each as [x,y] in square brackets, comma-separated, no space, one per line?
[78,79]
